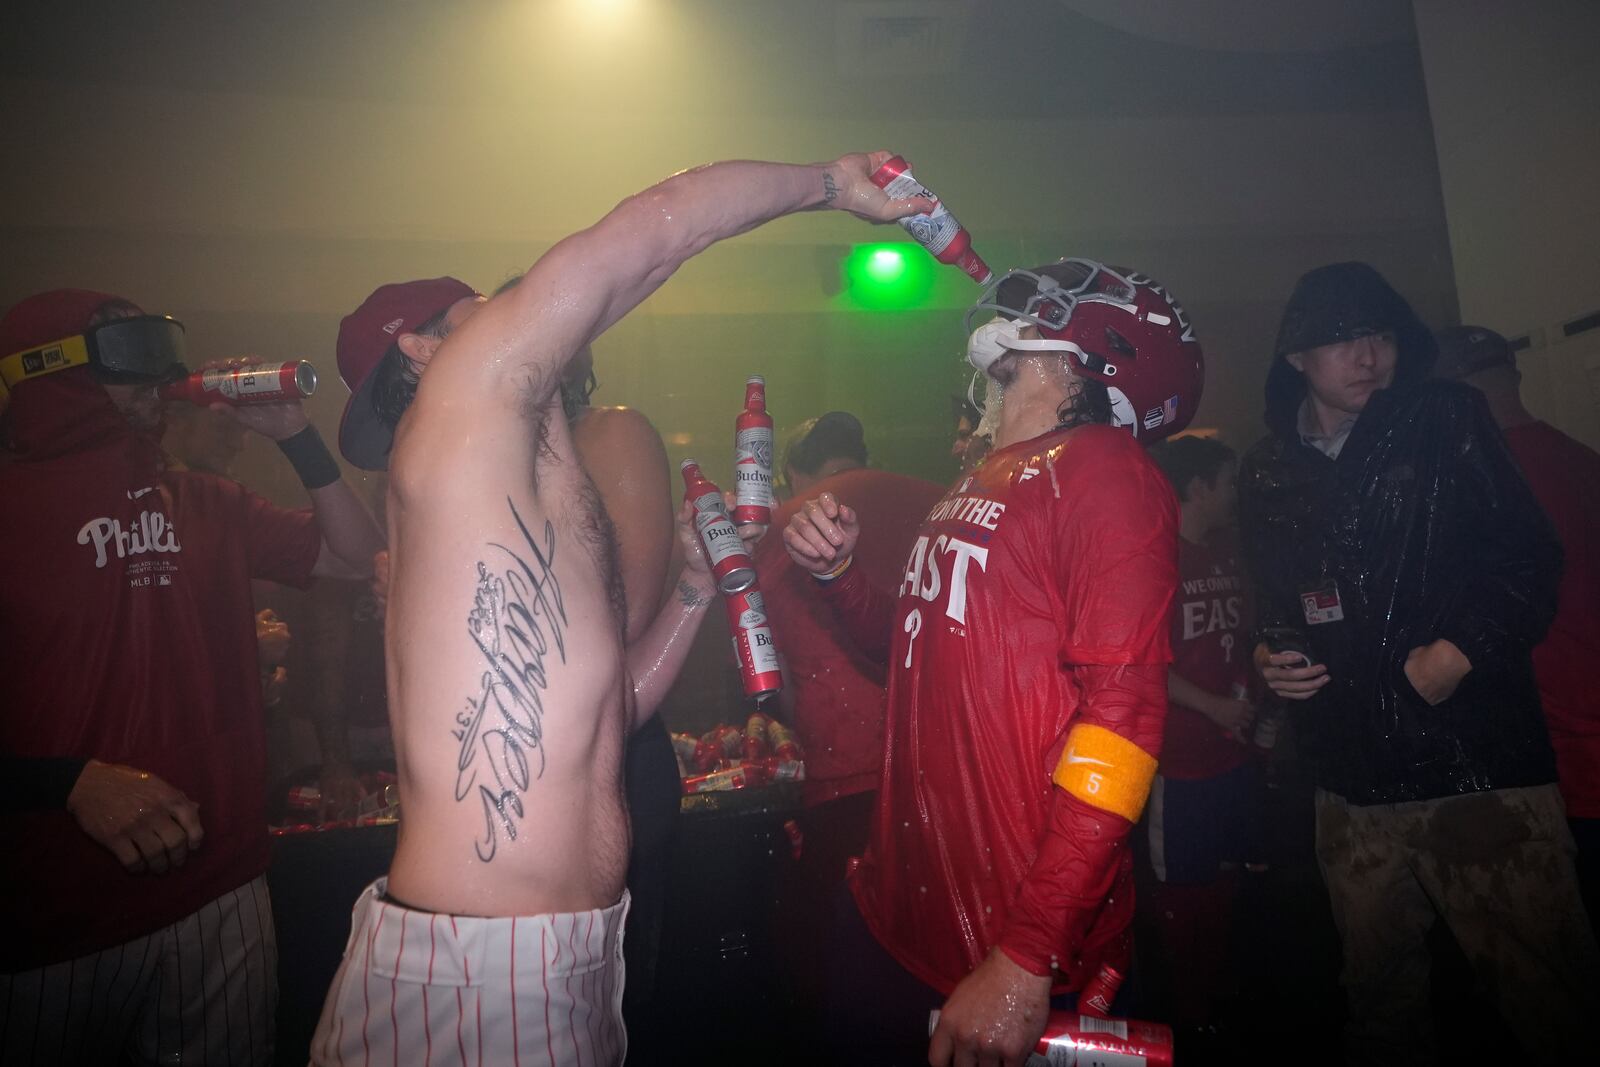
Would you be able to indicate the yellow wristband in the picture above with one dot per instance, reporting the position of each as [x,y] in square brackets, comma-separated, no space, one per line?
[831,575]
[1105,770]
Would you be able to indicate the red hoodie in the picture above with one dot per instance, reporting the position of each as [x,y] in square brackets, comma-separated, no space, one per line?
[126,622]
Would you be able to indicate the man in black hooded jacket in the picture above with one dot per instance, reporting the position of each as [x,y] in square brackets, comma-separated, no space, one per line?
[1394,543]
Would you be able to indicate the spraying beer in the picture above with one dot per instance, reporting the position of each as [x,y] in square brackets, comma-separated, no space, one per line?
[937,231]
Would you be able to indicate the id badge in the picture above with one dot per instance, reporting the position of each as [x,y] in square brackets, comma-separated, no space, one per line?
[1322,604]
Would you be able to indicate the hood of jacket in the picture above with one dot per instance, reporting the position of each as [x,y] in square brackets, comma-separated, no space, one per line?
[1341,302]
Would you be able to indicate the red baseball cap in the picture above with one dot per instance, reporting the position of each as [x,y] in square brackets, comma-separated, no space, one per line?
[365,336]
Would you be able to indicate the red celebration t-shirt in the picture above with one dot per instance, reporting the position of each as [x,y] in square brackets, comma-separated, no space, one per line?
[1037,594]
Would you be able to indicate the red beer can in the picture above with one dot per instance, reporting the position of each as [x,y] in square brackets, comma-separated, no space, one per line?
[781,740]
[752,457]
[752,644]
[264,383]
[937,231]
[730,563]
[1088,1039]
[755,737]
[1102,989]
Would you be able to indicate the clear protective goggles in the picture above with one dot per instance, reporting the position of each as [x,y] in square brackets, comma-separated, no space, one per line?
[1047,297]
[140,350]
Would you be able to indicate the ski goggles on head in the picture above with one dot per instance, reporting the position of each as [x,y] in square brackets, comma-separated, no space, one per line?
[132,351]
[1047,295]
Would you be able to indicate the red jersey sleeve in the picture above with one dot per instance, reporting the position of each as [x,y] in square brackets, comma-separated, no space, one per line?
[1115,566]
[865,611]
[1083,852]
[282,544]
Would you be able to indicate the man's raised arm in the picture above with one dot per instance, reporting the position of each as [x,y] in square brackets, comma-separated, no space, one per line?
[512,350]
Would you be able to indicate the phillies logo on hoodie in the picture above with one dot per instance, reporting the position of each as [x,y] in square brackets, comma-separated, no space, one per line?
[151,532]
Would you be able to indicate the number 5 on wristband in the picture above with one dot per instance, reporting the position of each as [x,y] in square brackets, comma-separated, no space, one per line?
[1106,771]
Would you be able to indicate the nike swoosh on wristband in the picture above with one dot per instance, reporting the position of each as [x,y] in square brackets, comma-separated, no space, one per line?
[1073,757]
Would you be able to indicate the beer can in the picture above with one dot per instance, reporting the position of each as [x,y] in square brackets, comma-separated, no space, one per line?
[719,781]
[265,383]
[755,737]
[731,564]
[753,646]
[752,457]
[1096,997]
[937,230]
[1071,1038]
[781,741]
[305,798]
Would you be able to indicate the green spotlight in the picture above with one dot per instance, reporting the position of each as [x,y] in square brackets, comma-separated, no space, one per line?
[886,265]
[887,277]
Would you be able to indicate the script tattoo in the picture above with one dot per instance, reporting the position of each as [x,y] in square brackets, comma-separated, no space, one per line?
[691,597]
[517,618]
[830,188]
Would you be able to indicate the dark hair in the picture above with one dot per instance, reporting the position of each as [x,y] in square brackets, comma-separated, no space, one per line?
[1183,459]
[962,408]
[394,381]
[836,434]
[1090,404]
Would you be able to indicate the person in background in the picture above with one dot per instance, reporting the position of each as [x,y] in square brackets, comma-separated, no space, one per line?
[822,447]
[1204,820]
[833,695]
[209,440]
[132,786]
[1393,544]
[968,446]
[1565,478]
[204,439]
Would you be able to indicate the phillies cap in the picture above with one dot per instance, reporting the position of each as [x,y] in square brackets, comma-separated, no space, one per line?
[365,337]
[1466,350]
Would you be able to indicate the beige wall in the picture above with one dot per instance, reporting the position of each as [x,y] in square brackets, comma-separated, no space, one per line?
[1514,91]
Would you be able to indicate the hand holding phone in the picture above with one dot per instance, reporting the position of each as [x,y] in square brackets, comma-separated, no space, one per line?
[1286,664]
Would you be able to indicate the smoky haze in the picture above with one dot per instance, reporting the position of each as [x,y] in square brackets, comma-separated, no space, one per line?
[257,169]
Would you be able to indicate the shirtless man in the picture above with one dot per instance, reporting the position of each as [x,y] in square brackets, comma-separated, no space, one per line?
[509,691]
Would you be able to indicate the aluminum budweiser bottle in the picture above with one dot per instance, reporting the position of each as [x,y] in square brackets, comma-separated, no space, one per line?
[265,383]
[752,457]
[937,231]
[730,563]
[1102,989]
[1073,1040]
[752,644]
[755,737]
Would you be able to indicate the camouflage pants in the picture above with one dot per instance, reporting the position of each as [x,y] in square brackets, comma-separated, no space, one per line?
[1498,868]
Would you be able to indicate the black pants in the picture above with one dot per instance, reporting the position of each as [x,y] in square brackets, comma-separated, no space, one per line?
[651,777]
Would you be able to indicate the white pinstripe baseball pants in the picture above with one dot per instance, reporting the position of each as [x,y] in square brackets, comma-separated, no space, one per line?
[416,987]
[203,990]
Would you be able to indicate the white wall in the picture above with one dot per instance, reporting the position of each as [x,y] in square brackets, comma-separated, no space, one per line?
[1514,93]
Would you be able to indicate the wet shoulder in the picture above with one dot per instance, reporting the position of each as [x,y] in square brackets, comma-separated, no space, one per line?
[614,427]
[1098,458]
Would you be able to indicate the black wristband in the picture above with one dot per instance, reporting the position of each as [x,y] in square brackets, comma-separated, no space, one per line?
[40,783]
[310,458]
